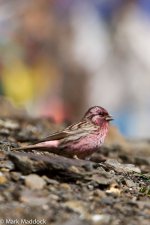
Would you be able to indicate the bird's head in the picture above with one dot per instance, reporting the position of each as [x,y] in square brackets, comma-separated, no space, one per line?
[98,115]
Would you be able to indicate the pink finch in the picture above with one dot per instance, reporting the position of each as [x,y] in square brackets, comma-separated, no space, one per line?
[78,140]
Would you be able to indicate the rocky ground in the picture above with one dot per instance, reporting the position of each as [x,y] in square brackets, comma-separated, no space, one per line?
[112,187]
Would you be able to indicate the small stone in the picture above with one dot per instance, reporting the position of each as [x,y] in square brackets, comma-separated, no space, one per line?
[16,176]
[6,165]
[100,218]
[30,197]
[122,168]
[2,199]
[99,193]
[74,169]
[54,197]
[76,206]
[9,124]
[34,181]
[65,186]
[3,179]
[114,190]
[130,183]
[50,181]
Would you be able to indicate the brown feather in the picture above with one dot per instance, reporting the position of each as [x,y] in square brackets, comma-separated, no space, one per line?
[52,137]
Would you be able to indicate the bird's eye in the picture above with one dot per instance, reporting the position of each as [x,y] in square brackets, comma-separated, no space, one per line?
[101,114]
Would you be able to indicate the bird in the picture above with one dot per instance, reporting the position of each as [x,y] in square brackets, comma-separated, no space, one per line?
[78,140]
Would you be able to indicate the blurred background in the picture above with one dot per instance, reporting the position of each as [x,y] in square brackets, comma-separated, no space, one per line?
[59,57]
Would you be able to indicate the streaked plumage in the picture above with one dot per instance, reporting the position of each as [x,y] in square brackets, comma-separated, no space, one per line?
[80,139]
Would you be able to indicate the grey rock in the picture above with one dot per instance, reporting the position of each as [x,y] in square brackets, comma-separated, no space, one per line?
[34,181]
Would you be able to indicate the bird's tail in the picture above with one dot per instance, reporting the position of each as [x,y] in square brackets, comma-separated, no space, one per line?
[31,147]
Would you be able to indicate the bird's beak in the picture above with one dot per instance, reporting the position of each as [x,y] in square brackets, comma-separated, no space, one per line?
[109,118]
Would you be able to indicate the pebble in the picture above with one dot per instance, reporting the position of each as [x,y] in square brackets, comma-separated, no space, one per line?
[6,165]
[128,168]
[76,206]
[99,193]
[34,181]
[74,169]
[9,124]
[114,190]
[3,179]
[130,183]
[101,218]
[2,199]
[32,198]
[65,186]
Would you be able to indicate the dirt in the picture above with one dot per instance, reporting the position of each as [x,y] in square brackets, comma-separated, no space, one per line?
[111,187]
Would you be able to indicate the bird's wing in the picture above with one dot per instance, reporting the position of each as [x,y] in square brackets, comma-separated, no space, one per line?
[81,128]
[52,137]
